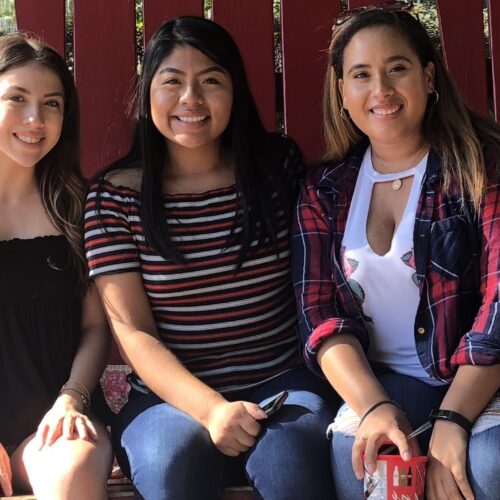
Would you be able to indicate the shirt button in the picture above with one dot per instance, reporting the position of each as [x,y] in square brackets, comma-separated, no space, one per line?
[421,330]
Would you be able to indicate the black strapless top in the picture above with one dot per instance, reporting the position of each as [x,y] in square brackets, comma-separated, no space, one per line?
[40,324]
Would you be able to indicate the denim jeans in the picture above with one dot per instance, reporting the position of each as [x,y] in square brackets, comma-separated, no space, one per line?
[417,400]
[169,455]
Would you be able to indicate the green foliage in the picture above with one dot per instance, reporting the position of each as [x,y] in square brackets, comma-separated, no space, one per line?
[426,13]
[7,16]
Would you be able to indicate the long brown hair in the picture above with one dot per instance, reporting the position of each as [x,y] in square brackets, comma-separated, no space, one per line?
[453,130]
[58,175]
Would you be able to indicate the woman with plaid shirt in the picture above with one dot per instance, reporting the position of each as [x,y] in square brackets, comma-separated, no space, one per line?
[396,260]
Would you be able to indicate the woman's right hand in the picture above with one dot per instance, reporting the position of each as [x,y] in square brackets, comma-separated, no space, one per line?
[233,427]
[5,472]
[386,424]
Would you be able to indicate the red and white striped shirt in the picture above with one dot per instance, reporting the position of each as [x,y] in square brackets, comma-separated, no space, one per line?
[233,330]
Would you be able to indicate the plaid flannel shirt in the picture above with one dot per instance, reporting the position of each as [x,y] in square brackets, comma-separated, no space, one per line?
[456,258]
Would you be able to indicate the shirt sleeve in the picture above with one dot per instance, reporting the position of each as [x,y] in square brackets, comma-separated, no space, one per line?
[319,301]
[481,345]
[109,243]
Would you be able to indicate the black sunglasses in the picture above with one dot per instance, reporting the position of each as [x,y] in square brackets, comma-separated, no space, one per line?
[396,6]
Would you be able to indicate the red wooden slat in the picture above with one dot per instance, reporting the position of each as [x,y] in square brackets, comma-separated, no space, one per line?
[43,17]
[305,41]
[251,25]
[158,11]
[494,21]
[461,24]
[104,33]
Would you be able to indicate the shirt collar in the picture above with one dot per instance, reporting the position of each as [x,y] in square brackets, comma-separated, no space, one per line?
[335,175]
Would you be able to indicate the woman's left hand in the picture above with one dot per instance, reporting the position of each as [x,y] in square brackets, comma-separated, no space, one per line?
[446,475]
[65,420]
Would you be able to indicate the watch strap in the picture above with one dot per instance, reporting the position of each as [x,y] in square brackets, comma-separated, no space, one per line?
[452,416]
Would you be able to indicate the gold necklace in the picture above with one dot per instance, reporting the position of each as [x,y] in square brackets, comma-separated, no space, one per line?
[396,183]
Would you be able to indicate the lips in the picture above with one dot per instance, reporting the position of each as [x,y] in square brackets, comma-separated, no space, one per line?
[29,139]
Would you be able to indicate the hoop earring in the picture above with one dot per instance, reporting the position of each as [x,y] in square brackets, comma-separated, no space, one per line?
[344,114]
[436,94]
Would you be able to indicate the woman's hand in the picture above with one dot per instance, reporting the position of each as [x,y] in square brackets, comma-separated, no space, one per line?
[233,427]
[446,475]
[386,424]
[65,419]
[5,473]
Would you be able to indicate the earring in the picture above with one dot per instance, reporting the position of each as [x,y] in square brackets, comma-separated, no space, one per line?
[436,94]
[344,114]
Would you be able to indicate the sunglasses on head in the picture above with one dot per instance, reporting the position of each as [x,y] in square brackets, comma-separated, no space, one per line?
[396,6]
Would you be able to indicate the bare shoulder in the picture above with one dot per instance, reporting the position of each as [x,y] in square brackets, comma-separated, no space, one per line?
[130,178]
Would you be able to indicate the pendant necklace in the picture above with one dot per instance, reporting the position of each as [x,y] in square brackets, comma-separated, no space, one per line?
[396,183]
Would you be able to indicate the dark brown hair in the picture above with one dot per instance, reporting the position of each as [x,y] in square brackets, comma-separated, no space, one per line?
[457,133]
[58,175]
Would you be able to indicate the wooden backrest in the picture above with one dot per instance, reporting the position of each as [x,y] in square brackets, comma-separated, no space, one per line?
[105,61]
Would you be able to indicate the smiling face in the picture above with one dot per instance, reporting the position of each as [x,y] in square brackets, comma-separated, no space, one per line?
[31,114]
[384,86]
[191,100]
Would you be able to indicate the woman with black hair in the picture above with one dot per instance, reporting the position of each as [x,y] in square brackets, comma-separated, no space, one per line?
[187,238]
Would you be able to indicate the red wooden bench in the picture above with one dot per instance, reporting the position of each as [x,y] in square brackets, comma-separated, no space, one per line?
[105,62]
[105,65]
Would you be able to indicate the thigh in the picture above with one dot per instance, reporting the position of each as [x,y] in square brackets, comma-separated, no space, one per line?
[294,439]
[347,487]
[416,399]
[166,453]
[483,466]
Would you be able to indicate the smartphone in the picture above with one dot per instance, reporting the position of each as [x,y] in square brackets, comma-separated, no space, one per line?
[274,404]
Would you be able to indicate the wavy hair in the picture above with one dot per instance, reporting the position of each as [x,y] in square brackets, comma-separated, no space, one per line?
[58,175]
[459,135]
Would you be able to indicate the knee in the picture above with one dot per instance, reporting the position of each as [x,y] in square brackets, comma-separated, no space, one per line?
[87,465]
[179,453]
[179,463]
[483,465]
[164,451]
[295,439]
[69,469]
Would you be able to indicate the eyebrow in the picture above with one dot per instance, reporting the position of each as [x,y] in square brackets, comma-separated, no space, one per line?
[210,69]
[26,91]
[386,61]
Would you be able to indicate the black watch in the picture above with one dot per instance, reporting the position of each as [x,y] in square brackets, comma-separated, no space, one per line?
[452,416]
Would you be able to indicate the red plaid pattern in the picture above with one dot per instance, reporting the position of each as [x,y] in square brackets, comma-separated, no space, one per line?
[456,258]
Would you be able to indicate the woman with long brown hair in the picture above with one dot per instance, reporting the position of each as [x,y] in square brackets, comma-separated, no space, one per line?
[396,259]
[53,333]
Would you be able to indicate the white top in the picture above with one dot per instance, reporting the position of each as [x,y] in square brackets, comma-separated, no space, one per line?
[385,284]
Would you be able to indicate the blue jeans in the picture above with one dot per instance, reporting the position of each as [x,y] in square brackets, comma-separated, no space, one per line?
[417,400]
[169,455]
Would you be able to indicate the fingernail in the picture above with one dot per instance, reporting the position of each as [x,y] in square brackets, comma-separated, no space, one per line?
[406,456]
[370,468]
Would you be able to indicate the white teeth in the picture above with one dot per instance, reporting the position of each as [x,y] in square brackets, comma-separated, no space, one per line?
[192,119]
[29,140]
[385,111]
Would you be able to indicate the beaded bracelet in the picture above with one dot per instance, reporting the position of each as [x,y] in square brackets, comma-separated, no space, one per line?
[82,387]
[376,405]
[84,394]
